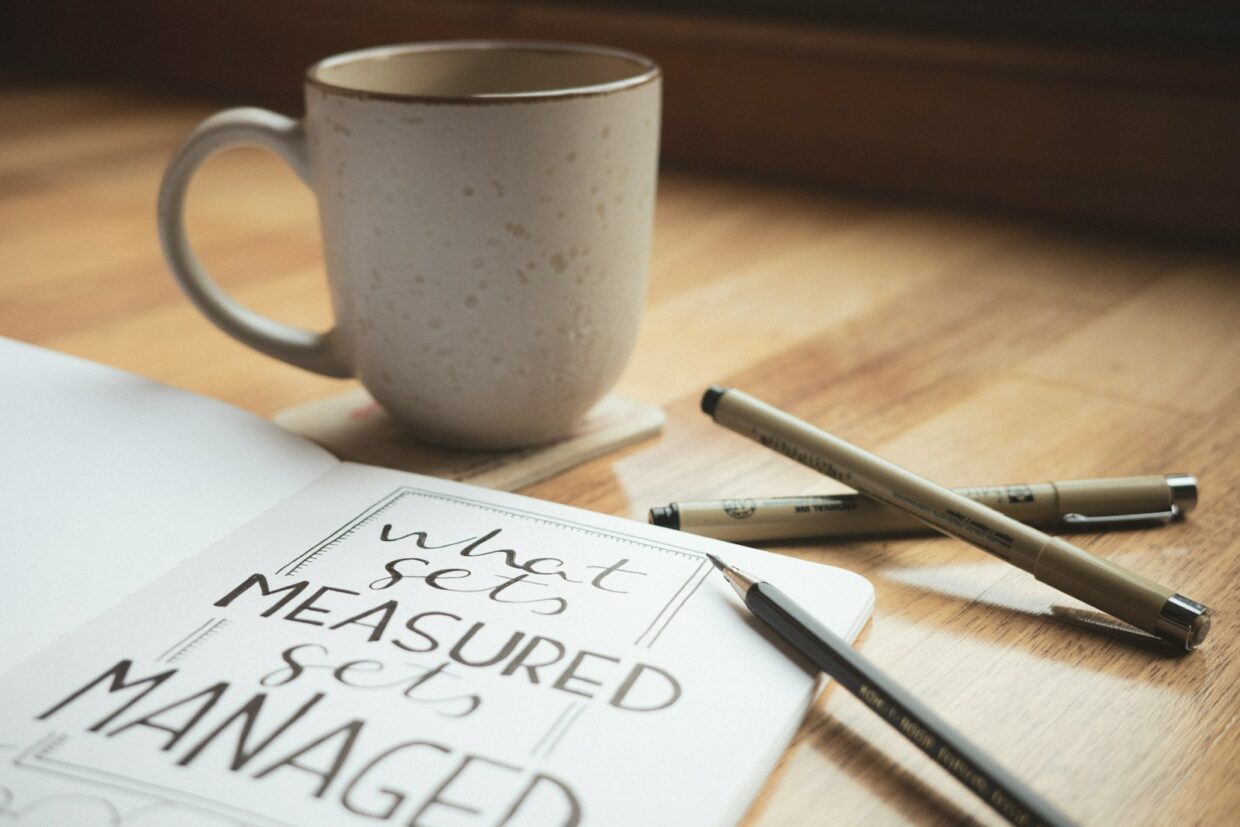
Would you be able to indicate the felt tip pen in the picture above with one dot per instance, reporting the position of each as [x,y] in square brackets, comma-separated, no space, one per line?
[1068,505]
[1102,584]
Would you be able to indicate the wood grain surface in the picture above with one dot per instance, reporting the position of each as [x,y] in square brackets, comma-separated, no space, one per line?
[969,349]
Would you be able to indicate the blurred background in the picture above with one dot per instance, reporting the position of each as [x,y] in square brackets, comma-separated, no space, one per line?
[1116,113]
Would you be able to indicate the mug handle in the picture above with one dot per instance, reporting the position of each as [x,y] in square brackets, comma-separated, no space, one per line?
[318,352]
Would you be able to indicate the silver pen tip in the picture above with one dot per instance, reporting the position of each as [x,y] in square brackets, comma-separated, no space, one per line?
[1183,492]
[719,564]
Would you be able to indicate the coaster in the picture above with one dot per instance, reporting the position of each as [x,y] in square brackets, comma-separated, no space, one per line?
[353,427]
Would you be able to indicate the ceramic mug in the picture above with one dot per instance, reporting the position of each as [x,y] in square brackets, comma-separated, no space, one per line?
[486,212]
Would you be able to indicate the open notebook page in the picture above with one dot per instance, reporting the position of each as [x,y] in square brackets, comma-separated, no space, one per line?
[390,648]
[108,480]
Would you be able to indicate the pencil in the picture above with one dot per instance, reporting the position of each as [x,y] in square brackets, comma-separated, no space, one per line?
[933,736]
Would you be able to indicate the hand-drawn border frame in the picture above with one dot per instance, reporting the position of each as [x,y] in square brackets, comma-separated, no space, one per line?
[652,631]
[37,756]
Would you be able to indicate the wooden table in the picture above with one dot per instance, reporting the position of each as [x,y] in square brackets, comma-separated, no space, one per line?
[971,348]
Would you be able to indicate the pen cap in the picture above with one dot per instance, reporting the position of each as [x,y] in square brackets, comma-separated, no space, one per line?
[1100,498]
[1102,584]
[1170,496]
[666,516]
[1149,606]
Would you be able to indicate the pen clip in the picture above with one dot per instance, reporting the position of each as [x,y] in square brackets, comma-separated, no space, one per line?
[1155,517]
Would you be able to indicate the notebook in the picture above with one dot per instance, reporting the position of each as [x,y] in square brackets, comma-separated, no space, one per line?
[210,621]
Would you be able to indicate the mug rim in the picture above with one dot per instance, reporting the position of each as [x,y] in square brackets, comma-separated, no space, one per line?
[649,71]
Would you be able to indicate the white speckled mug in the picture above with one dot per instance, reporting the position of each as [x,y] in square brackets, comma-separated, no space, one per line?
[486,212]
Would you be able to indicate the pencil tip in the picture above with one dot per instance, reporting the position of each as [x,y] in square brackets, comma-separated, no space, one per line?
[719,564]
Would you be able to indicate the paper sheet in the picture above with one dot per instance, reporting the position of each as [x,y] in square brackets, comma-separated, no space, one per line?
[108,480]
[389,648]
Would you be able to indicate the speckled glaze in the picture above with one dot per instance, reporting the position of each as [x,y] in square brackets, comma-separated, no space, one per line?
[487,257]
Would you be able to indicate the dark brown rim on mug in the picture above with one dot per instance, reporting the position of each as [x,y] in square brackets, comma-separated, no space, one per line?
[648,71]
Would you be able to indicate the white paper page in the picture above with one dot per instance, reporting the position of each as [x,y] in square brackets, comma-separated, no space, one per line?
[108,480]
[442,655]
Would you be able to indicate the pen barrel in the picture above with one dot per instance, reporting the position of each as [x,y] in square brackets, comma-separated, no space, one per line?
[1032,503]
[840,515]
[915,721]
[932,504]
[785,518]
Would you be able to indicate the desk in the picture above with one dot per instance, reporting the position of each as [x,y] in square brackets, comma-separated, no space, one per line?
[971,348]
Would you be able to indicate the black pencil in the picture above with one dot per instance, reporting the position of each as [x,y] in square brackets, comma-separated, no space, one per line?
[827,651]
